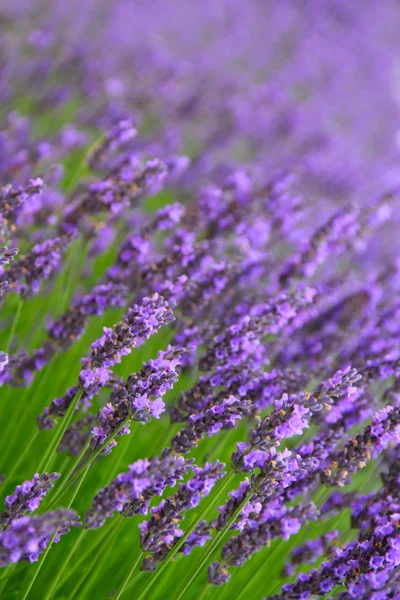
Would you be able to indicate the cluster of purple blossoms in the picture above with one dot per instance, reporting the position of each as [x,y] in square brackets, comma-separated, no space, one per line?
[139,398]
[27,537]
[139,323]
[26,274]
[160,533]
[27,497]
[130,493]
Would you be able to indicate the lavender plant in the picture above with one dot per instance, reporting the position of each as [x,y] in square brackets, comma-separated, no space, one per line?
[199,285]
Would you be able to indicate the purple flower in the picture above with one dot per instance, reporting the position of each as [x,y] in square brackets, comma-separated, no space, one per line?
[26,274]
[139,397]
[160,533]
[130,493]
[27,497]
[27,537]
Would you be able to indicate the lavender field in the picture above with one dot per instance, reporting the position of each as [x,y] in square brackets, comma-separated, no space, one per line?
[200,299]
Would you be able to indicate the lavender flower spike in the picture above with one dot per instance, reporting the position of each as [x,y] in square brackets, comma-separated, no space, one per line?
[26,274]
[27,497]
[139,398]
[130,493]
[139,324]
[160,533]
[27,537]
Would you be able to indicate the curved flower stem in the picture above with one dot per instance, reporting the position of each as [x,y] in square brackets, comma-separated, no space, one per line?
[6,575]
[98,561]
[182,540]
[22,456]
[66,564]
[72,476]
[48,457]
[15,323]
[131,571]
[85,556]
[214,544]
[21,408]
[49,545]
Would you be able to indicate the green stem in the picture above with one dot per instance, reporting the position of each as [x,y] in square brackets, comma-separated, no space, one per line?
[8,572]
[84,557]
[214,544]
[259,571]
[182,540]
[67,482]
[49,545]
[98,560]
[66,564]
[24,453]
[130,573]
[15,323]
[204,592]
[21,415]
[67,477]
[48,457]
[82,164]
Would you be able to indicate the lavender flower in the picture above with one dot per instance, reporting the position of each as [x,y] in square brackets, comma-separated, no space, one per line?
[140,322]
[254,538]
[27,497]
[139,398]
[28,272]
[27,537]
[7,255]
[385,428]
[243,340]
[309,552]
[223,414]
[160,533]
[11,200]
[130,493]
[375,557]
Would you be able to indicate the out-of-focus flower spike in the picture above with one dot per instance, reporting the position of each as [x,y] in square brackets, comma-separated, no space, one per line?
[26,274]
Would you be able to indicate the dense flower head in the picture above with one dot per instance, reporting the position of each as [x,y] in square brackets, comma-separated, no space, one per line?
[27,497]
[139,398]
[27,273]
[27,537]
[130,493]
[11,200]
[161,531]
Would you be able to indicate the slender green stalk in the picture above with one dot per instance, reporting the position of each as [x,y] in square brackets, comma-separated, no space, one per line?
[66,564]
[214,544]
[22,456]
[70,185]
[84,557]
[69,480]
[7,573]
[182,540]
[130,573]
[73,270]
[99,559]
[15,323]
[259,572]
[68,476]
[204,593]
[16,417]
[48,457]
